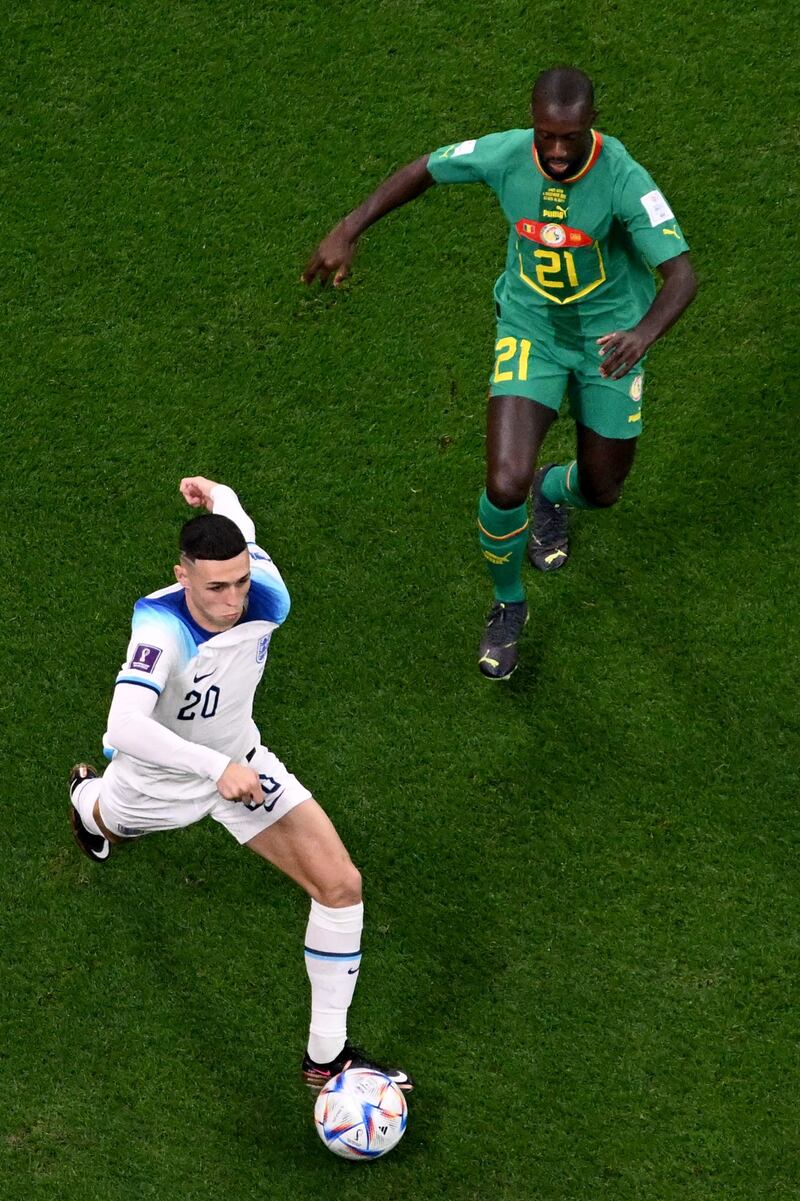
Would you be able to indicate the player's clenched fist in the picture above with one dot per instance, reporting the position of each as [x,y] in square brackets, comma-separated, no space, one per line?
[240,783]
[196,491]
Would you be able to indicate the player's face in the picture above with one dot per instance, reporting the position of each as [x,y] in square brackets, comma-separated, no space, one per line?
[216,589]
[563,137]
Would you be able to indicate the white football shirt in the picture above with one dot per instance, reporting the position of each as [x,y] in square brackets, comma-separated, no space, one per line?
[204,683]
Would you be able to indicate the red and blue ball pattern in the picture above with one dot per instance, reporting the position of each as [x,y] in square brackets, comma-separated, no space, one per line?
[360,1114]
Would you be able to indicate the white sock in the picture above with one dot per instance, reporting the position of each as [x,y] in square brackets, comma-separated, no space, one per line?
[333,939]
[83,799]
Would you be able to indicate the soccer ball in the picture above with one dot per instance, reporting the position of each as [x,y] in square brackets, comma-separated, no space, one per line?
[360,1114]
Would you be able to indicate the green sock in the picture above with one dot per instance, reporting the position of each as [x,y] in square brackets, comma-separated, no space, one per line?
[561,486]
[503,534]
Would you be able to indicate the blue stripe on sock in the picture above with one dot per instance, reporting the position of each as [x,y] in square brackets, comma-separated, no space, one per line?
[332,954]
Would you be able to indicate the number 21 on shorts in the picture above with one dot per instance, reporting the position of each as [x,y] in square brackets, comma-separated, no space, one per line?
[511,351]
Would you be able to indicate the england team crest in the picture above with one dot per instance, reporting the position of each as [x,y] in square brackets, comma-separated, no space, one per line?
[261,649]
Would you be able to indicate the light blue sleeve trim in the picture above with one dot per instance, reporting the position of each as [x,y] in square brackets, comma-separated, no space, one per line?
[269,597]
[162,621]
[142,683]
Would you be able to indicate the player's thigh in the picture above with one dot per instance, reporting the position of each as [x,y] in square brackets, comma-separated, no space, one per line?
[305,846]
[525,393]
[611,408]
[128,813]
[515,430]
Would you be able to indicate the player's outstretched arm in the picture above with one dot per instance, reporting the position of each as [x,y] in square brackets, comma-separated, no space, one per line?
[335,252]
[622,349]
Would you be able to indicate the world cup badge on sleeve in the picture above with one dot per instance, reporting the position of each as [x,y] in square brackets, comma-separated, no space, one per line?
[145,657]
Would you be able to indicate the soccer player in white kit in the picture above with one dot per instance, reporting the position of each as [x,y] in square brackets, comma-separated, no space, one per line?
[185,747]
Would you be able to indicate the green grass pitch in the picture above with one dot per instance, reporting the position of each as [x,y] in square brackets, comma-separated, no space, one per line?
[582,888]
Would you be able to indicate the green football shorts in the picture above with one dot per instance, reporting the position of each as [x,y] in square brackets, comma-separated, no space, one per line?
[543,371]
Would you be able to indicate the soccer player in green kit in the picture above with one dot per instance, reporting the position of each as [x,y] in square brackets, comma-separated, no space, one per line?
[577,311]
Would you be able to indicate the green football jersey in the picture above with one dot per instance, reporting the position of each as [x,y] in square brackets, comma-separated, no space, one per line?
[581,251]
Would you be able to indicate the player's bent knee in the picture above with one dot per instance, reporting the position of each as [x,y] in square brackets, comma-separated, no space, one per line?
[507,490]
[344,889]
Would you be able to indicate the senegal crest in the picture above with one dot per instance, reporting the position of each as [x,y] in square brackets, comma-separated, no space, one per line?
[548,233]
[553,235]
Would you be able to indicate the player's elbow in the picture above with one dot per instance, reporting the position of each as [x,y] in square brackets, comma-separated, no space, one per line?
[124,731]
[690,282]
[115,731]
[681,276]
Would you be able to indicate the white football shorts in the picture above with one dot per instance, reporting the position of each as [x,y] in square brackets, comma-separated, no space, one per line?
[130,814]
